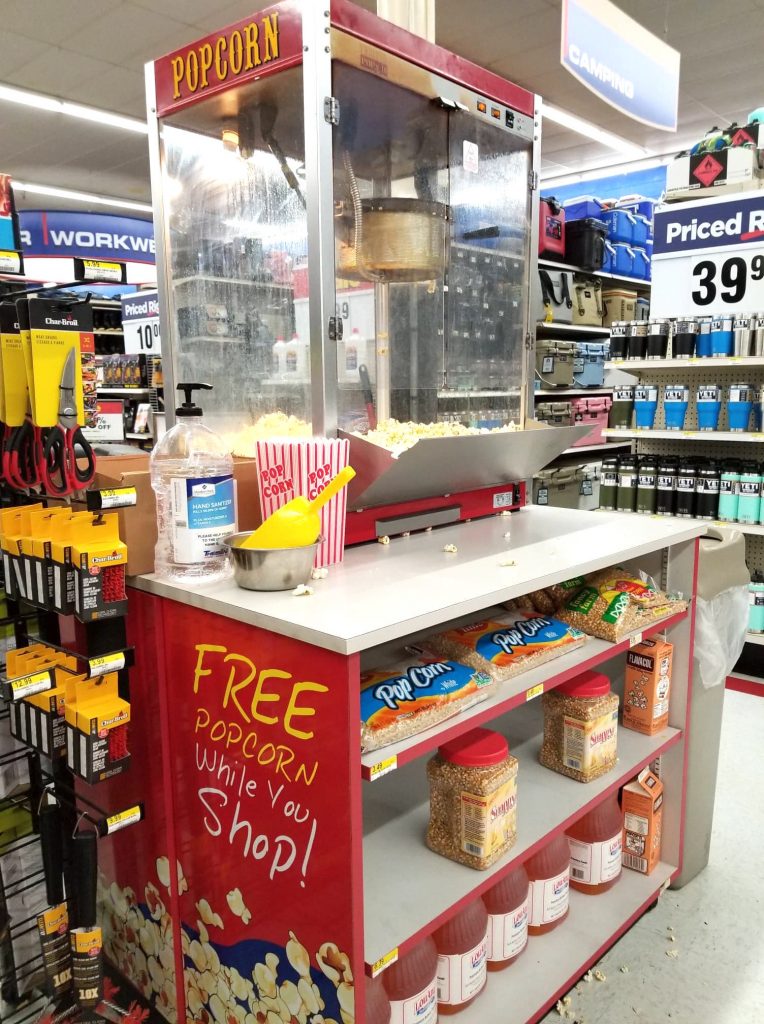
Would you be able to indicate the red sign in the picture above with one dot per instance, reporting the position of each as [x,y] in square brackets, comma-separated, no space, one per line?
[255,738]
[258,45]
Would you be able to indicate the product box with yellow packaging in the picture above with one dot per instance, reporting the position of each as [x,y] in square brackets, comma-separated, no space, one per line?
[14,524]
[61,531]
[89,567]
[647,686]
[96,728]
[642,804]
[35,555]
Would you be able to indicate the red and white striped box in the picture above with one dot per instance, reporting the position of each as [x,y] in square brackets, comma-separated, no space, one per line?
[286,469]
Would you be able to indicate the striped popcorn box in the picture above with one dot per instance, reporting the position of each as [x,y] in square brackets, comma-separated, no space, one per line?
[288,468]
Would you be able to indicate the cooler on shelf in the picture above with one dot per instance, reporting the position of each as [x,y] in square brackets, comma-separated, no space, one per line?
[554,363]
[642,231]
[582,206]
[622,259]
[551,228]
[589,363]
[619,304]
[643,308]
[592,411]
[587,300]
[638,205]
[585,243]
[620,225]
[568,487]
[641,264]
[556,414]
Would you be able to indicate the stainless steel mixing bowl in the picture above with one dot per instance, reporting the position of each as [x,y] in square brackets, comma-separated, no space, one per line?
[270,568]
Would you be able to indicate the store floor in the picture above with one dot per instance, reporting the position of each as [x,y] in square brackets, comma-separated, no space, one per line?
[717,975]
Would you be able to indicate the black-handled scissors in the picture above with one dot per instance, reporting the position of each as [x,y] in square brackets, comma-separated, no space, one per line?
[59,470]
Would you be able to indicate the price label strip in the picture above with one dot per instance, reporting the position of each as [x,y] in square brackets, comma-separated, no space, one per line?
[107,663]
[384,962]
[122,819]
[26,686]
[111,497]
[383,768]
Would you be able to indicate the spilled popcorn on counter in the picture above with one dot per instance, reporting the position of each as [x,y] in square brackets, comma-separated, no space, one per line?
[302,591]
[319,574]
[383,540]
[451,549]
[600,976]
[507,563]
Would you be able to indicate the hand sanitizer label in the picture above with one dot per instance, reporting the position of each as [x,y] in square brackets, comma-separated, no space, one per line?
[203,513]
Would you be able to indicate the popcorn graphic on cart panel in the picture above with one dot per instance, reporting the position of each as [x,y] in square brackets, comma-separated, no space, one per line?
[236,904]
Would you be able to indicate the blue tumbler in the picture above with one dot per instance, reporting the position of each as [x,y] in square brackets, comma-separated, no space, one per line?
[739,406]
[722,336]
[708,399]
[645,405]
[676,398]
[703,341]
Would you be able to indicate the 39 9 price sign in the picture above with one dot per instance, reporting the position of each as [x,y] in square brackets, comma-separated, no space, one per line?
[709,257]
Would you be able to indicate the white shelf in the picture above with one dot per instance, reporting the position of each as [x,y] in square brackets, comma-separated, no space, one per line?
[396,812]
[132,436]
[467,393]
[574,330]
[754,529]
[553,963]
[126,392]
[524,687]
[216,338]
[630,282]
[705,363]
[571,392]
[754,638]
[689,435]
[109,330]
[215,279]
[582,449]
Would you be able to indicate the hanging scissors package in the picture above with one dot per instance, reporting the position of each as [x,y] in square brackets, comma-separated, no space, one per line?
[61,341]
[19,456]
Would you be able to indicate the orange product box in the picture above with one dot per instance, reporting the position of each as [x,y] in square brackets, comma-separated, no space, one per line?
[642,803]
[647,686]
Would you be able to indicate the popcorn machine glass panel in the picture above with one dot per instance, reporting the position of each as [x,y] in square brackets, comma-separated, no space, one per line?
[237,231]
[432,220]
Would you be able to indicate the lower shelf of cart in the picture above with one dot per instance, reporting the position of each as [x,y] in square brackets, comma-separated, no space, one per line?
[409,890]
[553,963]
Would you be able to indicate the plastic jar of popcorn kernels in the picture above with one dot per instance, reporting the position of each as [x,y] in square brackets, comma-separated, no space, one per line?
[473,799]
[581,727]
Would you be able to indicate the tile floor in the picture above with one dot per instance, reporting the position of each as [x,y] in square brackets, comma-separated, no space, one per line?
[717,919]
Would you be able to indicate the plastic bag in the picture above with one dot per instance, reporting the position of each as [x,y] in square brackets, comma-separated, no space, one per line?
[720,628]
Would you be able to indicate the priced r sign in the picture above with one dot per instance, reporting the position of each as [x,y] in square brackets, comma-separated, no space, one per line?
[709,257]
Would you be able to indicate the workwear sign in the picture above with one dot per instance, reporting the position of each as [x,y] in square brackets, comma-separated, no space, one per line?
[619,60]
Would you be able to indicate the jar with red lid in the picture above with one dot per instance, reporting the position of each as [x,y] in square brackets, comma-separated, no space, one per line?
[473,799]
[581,727]
[549,877]
[507,906]
[461,944]
[377,1004]
[411,984]
[595,848]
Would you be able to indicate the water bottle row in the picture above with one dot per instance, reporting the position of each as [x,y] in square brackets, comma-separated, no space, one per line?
[730,491]
[741,403]
[712,336]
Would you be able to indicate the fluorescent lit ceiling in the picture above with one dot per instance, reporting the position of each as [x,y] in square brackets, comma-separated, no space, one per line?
[92,52]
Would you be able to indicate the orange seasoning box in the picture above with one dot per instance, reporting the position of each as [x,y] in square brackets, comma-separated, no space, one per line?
[647,686]
[642,804]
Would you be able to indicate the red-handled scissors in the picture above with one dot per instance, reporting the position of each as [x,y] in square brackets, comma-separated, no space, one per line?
[22,455]
[59,471]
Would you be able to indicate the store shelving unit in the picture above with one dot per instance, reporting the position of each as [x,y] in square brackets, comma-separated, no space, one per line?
[574,331]
[388,804]
[722,363]
[715,436]
[755,638]
[637,283]
[751,529]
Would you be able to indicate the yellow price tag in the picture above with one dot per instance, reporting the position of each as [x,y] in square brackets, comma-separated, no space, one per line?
[384,961]
[106,663]
[26,686]
[118,497]
[635,639]
[534,691]
[123,819]
[383,768]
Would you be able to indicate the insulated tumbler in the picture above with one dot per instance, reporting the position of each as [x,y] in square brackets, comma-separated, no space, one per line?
[609,483]
[636,339]
[686,482]
[665,487]
[657,339]
[703,342]
[647,494]
[722,336]
[676,398]
[685,337]
[618,343]
[743,336]
[622,407]
[645,405]
[756,603]
[708,399]
[757,331]
[626,500]
[707,492]
[750,493]
[729,491]
[739,406]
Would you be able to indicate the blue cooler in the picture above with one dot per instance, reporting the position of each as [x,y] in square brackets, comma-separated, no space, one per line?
[620,225]
[581,207]
[589,363]
[641,265]
[638,205]
[608,264]
[623,260]
[643,230]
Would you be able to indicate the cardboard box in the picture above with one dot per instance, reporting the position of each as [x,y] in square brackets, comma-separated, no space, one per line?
[647,686]
[642,803]
[138,524]
[735,169]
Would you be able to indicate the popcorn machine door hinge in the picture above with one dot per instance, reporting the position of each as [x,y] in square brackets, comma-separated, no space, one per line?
[533,180]
[331,110]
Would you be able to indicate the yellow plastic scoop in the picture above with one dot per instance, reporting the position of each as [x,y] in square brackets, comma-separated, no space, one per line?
[297,523]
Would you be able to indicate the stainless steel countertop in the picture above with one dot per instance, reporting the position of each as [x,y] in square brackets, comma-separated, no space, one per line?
[383,592]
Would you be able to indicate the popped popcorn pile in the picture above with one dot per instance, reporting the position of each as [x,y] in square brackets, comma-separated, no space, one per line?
[271,425]
[397,436]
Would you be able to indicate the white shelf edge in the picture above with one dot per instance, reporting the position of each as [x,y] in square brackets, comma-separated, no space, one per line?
[754,529]
[216,279]
[553,963]
[705,363]
[605,446]
[396,812]
[128,392]
[746,678]
[218,338]
[572,328]
[575,392]
[638,282]
[744,436]
[131,435]
[754,638]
